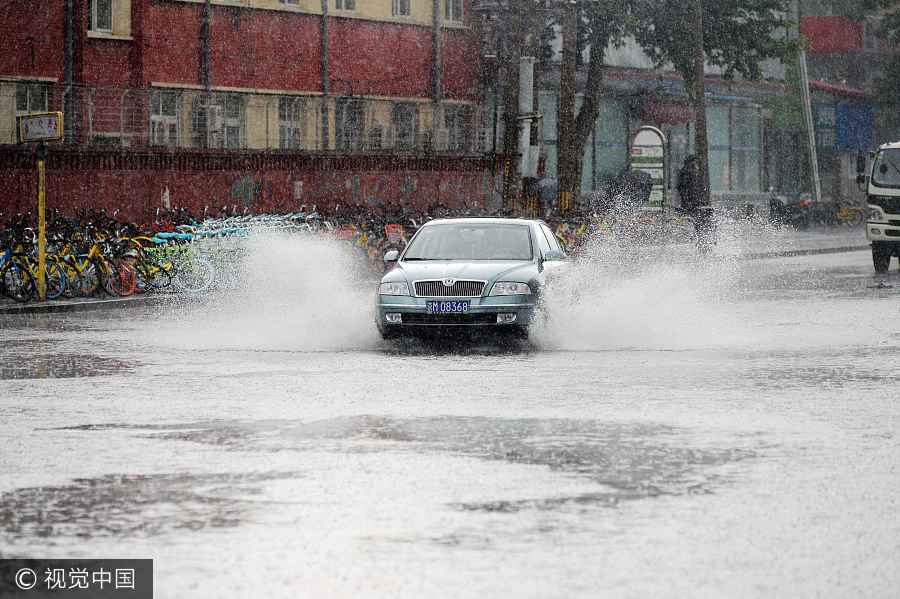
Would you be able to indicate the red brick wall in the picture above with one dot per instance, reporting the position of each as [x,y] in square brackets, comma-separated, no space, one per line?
[462,67]
[135,184]
[32,38]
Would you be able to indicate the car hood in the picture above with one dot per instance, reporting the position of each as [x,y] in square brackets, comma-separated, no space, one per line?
[486,270]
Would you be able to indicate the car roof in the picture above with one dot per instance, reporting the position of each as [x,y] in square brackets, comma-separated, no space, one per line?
[480,220]
[890,146]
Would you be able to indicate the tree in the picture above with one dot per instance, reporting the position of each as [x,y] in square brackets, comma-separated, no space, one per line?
[737,37]
[598,24]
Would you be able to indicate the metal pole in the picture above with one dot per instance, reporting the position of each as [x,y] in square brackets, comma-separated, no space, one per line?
[326,78]
[42,225]
[810,127]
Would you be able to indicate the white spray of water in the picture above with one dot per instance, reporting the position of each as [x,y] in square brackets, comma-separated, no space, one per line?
[631,292]
[287,292]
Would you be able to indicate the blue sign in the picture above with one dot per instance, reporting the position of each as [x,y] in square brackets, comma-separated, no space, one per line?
[855,127]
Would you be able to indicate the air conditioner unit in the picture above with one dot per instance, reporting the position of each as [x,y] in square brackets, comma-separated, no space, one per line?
[216,118]
[442,140]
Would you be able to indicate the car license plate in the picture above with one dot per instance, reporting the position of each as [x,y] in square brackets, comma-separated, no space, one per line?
[448,307]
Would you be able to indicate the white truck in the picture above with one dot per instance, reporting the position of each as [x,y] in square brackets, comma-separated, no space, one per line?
[882,184]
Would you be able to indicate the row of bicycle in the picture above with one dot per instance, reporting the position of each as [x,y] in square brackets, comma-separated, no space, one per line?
[116,267]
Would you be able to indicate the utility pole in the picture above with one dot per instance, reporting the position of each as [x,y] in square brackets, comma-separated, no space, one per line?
[206,68]
[810,127]
[69,71]
[699,97]
[326,78]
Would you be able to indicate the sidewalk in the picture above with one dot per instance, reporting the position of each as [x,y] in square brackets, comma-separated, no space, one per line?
[80,304]
[788,243]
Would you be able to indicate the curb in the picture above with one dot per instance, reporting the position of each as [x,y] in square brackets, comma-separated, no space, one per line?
[810,252]
[81,305]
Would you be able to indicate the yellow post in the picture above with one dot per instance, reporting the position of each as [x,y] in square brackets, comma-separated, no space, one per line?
[42,234]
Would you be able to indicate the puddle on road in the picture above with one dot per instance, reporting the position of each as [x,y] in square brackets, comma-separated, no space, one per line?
[132,505]
[630,461]
[59,366]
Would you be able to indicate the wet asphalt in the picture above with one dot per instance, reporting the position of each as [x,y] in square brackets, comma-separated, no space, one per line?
[674,429]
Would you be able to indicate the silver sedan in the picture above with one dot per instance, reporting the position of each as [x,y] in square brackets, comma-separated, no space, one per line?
[467,273]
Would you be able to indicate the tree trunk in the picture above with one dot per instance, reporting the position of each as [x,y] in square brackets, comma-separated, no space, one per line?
[699,98]
[567,164]
[509,61]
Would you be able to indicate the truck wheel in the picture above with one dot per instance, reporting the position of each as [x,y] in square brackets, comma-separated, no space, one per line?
[881,258]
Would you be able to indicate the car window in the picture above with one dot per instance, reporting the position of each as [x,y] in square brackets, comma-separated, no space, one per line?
[543,244]
[471,242]
[551,239]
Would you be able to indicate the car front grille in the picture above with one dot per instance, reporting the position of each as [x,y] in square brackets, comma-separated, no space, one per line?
[457,289]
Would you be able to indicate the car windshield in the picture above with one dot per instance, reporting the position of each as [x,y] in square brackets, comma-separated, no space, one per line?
[472,241]
[886,172]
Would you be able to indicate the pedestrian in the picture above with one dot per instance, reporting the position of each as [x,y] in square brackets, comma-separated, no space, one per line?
[696,203]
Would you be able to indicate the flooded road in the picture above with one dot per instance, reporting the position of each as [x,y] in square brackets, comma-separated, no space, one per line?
[726,430]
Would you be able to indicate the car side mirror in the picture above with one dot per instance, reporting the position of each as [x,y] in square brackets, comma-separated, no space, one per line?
[860,164]
[391,256]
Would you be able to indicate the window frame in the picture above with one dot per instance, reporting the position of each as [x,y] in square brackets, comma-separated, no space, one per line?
[291,122]
[406,142]
[397,8]
[158,118]
[92,23]
[459,123]
[29,87]
[454,11]
[345,5]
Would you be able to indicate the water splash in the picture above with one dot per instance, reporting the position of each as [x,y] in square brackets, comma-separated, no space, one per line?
[286,292]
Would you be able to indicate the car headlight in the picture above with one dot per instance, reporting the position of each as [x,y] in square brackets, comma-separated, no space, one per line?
[876,214]
[393,288]
[506,288]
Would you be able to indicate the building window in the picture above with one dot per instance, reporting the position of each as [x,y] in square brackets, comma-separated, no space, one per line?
[291,2]
[164,118]
[400,8]
[31,97]
[405,119]
[101,15]
[233,127]
[291,122]
[458,123]
[220,123]
[453,10]
[349,124]
[345,4]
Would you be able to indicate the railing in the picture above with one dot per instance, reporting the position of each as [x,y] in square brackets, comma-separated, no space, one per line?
[169,118]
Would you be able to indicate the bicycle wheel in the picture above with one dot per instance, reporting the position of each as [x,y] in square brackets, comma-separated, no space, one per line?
[16,282]
[109,276]
[55,280]
[74,282]
[126,281]
[90,280]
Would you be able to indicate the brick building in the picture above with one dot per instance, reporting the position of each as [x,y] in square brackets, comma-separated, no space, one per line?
[383,94]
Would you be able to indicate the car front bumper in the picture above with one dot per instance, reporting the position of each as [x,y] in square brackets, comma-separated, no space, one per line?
[888,232]
[483,312]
